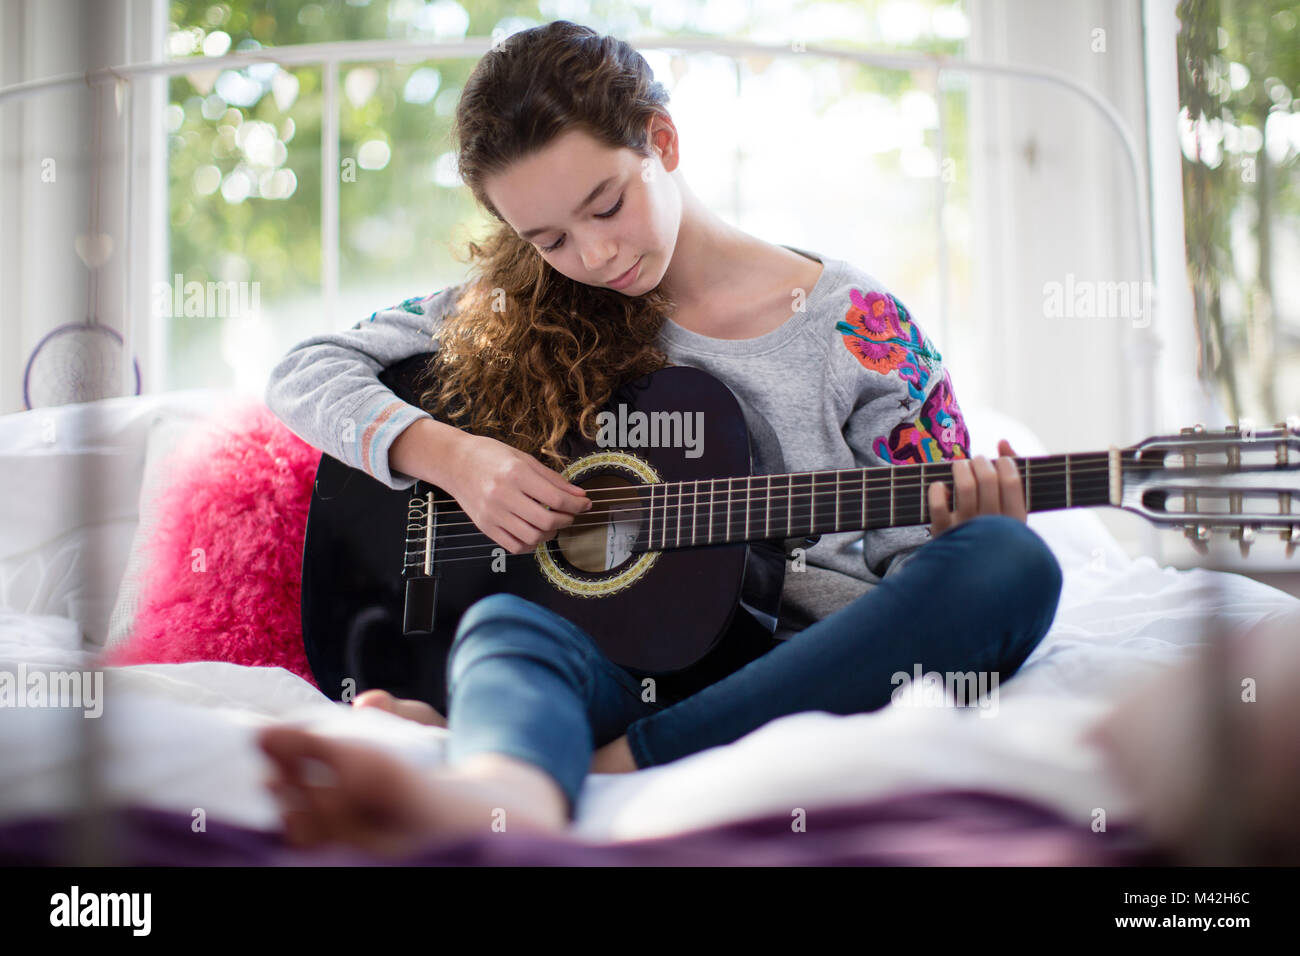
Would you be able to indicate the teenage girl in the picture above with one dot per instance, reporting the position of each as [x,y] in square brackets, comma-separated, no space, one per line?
[605,266]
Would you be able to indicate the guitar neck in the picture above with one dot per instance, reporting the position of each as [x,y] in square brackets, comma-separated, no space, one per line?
[762,507]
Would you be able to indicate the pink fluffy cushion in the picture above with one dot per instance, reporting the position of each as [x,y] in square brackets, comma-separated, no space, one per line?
[224,579]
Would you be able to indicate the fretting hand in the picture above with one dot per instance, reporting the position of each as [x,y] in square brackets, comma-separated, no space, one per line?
[982,488]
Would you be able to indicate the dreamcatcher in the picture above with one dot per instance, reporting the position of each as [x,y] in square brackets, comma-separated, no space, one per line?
[84,361]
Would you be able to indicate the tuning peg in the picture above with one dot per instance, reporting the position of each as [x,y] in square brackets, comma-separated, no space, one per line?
[1245,536]
[1199,536]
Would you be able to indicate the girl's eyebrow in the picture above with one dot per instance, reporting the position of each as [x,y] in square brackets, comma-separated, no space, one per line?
[581,206]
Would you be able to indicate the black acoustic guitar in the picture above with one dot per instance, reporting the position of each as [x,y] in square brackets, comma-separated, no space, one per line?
[676,572]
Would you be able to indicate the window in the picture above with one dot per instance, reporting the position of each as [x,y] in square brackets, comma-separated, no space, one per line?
[782,146]
[1239,79]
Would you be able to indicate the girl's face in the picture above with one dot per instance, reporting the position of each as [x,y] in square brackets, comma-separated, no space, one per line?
[601,216]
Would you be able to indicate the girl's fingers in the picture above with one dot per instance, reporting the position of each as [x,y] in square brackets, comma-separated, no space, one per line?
[941,517]
[966,490]
[1011,490]
[980,486]
[990,499]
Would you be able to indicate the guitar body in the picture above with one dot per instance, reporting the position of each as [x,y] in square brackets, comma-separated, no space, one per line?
[381,602]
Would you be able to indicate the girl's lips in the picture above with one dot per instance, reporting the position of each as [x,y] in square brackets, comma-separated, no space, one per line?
[627,278]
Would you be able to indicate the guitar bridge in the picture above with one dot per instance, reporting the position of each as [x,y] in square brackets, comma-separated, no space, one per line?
[420,601]
[420,597]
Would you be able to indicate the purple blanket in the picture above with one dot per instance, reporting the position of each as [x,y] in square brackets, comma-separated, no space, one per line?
[925,828]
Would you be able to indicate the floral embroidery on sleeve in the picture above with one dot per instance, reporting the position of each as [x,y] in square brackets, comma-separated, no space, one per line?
[416,305]
[879,332]
[937,433]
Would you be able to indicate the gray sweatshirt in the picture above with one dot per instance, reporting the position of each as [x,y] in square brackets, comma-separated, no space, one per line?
[848,381]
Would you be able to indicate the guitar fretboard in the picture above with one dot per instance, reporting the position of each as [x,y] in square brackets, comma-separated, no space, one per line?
[761,507]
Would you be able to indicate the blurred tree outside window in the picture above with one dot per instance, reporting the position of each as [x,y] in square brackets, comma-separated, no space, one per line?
[779,146]
[1239,79]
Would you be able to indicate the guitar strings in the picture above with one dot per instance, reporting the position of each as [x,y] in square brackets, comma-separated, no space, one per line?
[481,551]
[1089,484]
[797,515]
[818,500]
[1088,472]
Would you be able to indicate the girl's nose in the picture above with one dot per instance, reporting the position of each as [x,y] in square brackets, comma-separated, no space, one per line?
[598,256]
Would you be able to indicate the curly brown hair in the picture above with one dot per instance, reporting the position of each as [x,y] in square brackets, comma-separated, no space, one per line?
[535,352]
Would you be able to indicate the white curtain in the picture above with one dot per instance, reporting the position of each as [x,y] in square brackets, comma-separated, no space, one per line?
[50,159]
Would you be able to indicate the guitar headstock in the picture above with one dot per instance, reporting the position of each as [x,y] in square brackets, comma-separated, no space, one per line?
[1240,480]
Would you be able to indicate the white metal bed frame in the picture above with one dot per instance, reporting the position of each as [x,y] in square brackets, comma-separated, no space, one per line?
[1142,341]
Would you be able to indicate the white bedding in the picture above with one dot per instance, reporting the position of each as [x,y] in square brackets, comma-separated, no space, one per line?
[180,736]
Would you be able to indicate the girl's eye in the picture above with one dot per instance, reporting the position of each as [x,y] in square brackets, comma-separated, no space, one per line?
[600,215]
[617,206]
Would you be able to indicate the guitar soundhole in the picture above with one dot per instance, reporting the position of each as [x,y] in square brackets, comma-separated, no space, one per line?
[602,539]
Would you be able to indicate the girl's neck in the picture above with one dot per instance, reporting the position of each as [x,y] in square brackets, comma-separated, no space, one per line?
[710,255]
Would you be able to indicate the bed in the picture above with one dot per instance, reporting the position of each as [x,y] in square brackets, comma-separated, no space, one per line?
[905,784]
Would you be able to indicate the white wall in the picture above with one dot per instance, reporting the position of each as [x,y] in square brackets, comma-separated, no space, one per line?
[1052,198]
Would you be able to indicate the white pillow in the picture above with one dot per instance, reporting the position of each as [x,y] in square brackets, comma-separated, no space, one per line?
[171,423]
[166,433]
[70,488]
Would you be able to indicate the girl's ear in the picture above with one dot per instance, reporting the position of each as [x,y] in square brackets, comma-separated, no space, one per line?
[662,137]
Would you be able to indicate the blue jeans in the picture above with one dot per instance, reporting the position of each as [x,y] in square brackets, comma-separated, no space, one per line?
[524,681]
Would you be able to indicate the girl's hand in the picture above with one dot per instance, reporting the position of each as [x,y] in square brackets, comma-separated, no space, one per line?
[982,488]
[512,497]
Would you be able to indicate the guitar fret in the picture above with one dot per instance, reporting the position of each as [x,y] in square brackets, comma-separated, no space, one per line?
[695,508]
[812,496]
[748,481]
[663,521]
[663,517]
[767,514]
[923,518]
[789,507]
[728,537]
[665,502]
[812,502]
[837,499]
[1069,491]
[711,481]
[864,498]
[679,518]
[1028,492]
[891,502]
